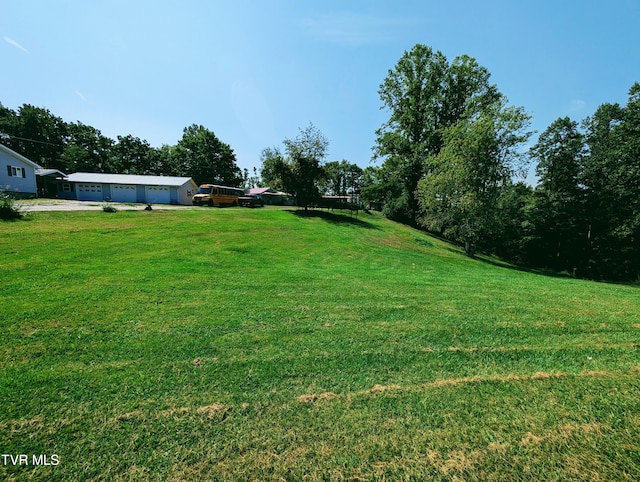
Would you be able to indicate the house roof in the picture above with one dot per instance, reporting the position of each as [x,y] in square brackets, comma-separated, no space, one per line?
[49,172]
[260,190]
[128,179]
[20,157]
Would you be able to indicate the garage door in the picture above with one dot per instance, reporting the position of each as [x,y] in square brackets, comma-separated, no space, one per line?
[89,192]
[123,193]
[158,194]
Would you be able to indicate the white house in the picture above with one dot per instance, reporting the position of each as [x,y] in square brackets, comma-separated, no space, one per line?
[86,186]
[17,173]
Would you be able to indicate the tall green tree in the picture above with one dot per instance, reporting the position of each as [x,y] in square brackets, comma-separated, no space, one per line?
[131,155]
[372,188]
[35,133]
[164,161]
[512,227]
[558,232]
[425,94]
[86,150]
[303,172]
[300,170]
[204,157]
[8,124]
[342,178]
[611,176]
[480,155]
[272,161]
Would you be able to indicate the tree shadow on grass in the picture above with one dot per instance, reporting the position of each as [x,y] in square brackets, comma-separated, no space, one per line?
[336,218]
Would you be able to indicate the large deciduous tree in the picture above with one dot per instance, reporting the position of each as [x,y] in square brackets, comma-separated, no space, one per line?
[35,133]
[201,155]
[611,176]
[460,195]
[342,178]
[131,155]
[299,171]
[86,150]
[272,160]
[425,94]
[557,231]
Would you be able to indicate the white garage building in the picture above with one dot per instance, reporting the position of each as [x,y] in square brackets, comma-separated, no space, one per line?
[128,188]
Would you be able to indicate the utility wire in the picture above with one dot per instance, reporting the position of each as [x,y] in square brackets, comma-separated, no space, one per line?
[4,136]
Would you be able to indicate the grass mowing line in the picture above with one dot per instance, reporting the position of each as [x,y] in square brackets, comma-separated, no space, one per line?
[220,411]
[453,382]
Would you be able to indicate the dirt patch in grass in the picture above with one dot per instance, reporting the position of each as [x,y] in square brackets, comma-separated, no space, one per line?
[316,397]
[174,412]
[135,414]
[32,424]
[530,440]
[562,433]
[460,461]
[214,410]
[547,375]
[385,388]
[465,350]
[510,377]
[498,447]
[594,373]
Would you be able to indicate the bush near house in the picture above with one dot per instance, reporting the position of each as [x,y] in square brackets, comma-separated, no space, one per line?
[9,208]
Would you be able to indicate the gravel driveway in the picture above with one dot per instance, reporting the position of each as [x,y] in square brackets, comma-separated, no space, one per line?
[65,205]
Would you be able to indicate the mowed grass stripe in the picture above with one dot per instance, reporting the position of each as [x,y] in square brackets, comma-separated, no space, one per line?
[269,344]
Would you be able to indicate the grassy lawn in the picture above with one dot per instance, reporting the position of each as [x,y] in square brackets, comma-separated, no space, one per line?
[238,344]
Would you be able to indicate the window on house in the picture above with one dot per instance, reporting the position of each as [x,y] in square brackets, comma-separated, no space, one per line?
[14,171]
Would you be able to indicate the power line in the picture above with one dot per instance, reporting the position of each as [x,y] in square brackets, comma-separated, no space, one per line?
[5,136]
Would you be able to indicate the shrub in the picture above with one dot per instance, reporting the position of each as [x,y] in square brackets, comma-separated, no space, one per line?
[109,208]
[9,209]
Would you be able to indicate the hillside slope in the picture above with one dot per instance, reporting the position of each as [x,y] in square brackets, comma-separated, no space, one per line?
[235,344]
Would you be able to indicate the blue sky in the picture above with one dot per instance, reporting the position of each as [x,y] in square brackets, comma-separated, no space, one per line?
[254,72]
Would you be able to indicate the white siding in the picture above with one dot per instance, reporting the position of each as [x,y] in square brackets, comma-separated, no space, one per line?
[186,192]
[16,175]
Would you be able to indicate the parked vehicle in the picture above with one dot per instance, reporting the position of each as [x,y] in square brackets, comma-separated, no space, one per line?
[214,195]
[251,201]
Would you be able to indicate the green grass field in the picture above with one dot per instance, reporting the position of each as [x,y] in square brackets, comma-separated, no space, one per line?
[237,344]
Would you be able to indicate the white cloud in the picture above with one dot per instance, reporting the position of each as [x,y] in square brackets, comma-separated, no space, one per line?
[15,44]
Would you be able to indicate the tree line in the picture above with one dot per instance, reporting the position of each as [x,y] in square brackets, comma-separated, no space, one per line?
[453,150]
[451,155]
[49,141]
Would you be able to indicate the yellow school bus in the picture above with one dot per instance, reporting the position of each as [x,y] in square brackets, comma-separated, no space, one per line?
[214,195]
